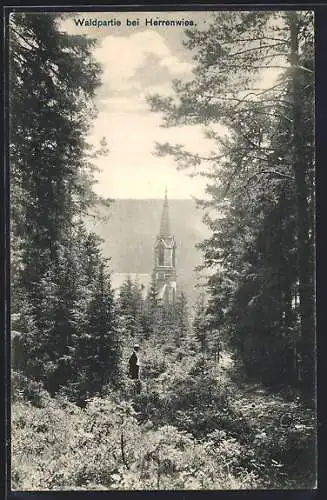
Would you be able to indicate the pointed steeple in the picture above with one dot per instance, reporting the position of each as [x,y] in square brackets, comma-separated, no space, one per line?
[164,271]
[165,222]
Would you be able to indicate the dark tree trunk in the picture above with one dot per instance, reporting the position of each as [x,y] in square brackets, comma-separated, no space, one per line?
[304,223]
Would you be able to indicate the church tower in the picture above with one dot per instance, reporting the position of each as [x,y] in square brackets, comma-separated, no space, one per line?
[164,272]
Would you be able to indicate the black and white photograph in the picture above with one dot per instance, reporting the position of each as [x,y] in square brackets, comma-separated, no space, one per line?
[162,250]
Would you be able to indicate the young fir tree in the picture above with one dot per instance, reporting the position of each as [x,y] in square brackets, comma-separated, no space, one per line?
[151,312]
[95,343]
[130,305]
[181,318]
[201,325]
[103,352]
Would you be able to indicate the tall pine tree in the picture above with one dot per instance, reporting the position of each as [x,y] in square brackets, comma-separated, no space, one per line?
[58,280]
[260,178]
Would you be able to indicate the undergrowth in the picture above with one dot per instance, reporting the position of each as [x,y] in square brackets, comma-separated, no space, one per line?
[190,428]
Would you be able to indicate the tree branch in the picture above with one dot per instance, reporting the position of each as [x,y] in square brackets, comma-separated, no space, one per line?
[272,173]
[259,38]
[261,47]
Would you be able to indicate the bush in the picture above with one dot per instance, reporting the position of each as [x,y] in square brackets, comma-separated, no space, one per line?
[104,447]
[64,446]
[23,388]
[193,401]
[189,432]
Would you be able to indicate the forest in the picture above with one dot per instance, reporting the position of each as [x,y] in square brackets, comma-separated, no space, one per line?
[229,386]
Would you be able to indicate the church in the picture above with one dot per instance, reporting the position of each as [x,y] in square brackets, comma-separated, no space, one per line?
[164,263]
[164,271]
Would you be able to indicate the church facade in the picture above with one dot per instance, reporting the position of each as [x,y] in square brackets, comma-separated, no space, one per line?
[164,270]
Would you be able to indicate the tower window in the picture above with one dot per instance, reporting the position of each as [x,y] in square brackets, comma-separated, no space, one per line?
[161,255]
[168,257]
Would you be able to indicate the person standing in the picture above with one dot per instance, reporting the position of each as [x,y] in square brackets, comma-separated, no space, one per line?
[134,367]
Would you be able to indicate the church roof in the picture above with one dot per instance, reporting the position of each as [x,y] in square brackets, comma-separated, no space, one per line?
[165,220]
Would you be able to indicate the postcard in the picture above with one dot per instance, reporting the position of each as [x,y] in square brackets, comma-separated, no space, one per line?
[162,213]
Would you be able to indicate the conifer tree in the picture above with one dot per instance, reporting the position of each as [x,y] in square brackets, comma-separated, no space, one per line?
[200,324]
[260,178]
[56,264]
[181,317]
[130,304]
[103,355]
[151,312]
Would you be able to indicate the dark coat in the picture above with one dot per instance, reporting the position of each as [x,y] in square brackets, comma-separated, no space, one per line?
[133,366]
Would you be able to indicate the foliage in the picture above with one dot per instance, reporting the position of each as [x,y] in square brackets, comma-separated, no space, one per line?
[103,446]
[260,183]
[71,340]
[181,318]
[187,436]
[62,308]
[151,315]
[145,317]
[77,421]
[130,304]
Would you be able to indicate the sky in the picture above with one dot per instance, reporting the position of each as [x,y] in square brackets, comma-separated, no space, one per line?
[137,61]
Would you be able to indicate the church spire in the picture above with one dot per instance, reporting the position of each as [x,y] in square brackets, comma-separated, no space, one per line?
[165,222]
[164,272]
